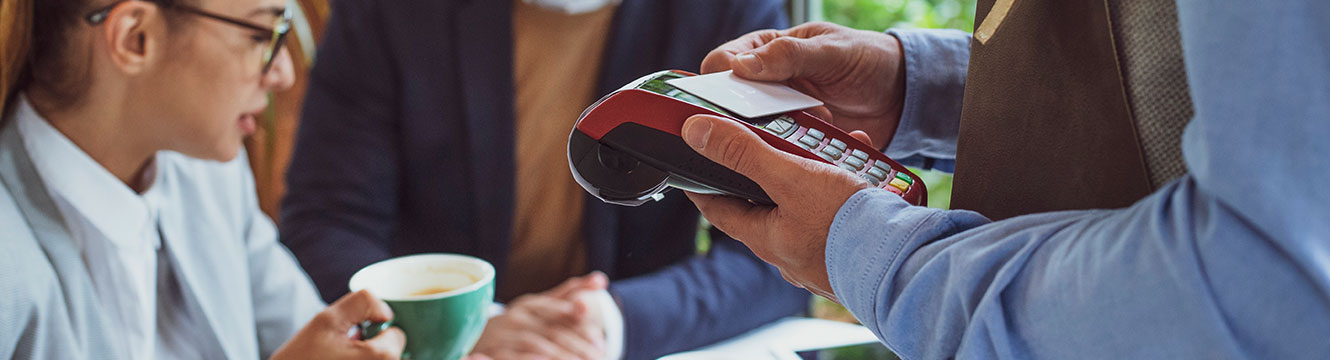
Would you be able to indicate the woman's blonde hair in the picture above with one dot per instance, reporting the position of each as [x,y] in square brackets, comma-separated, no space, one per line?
[15,41]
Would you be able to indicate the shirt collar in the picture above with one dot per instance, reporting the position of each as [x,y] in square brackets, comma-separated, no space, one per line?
[573,7]
[116,211]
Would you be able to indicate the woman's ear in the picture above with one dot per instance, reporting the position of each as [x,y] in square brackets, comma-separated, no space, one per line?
[133,32]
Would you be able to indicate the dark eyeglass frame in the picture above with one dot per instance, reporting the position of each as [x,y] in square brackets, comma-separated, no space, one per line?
[279,32]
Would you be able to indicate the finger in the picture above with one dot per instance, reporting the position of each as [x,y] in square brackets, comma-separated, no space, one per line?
[594,281]
[550,315]
[821,112]
[736,217]
[477,356]
[537,344]
[354,308]
[387,344]
[550,309]
[781,59]
[799,52]
[518,332]
[862,137]
[597,280]
[575,343]
[734,146]
[508,354]
[719,59]
[592,326]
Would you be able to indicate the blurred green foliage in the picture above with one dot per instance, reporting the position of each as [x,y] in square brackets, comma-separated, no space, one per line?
[884,14]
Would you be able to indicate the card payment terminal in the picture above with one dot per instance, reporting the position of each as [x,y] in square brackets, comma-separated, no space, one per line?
[627,147]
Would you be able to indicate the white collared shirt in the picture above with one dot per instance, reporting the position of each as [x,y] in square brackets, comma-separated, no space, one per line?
[114,227]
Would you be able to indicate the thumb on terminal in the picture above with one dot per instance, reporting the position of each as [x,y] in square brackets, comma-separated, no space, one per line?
[732,145]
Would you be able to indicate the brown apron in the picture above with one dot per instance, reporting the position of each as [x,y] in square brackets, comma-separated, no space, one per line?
[1047,122]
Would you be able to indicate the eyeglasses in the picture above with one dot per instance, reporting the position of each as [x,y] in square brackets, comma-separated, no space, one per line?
[281,27]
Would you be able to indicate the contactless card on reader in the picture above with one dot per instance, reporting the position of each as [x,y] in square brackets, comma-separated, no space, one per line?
[750,99]
[627,148]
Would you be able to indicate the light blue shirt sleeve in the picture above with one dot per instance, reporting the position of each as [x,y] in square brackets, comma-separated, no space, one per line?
[1230,261]
[936,62]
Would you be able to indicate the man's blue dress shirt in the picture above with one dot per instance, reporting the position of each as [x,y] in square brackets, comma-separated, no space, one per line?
[1229,261]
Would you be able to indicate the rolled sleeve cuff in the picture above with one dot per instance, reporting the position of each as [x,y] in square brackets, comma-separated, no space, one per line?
[935,68]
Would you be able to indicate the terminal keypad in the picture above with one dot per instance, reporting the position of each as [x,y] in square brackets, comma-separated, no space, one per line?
[838,152]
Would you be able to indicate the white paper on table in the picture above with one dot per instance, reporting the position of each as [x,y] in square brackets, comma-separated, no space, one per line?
[781,339]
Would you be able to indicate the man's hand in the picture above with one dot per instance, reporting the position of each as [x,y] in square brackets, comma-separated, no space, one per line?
[792,234]
[560,323]
[325,337]
[860,75]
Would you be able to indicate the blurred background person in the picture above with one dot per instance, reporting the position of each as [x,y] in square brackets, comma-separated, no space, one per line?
[131,229]
[441,126]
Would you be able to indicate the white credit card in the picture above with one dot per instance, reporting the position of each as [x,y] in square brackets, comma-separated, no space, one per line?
[750,99]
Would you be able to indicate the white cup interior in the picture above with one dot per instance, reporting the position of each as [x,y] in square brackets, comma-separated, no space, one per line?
[403,277]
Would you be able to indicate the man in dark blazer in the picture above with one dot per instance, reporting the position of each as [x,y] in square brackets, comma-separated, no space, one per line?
[407,146]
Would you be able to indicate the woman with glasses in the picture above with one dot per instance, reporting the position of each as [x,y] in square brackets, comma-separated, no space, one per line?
[128,222]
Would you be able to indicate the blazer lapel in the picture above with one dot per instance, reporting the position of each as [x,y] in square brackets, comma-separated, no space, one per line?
[484,55]
[47,225]
[204,291]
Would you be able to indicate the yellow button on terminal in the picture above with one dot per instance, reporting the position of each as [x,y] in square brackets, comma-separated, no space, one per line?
[900,184]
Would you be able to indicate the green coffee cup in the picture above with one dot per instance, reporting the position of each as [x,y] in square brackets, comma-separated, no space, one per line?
[439,300]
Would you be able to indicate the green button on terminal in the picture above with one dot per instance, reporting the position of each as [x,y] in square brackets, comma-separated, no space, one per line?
[906,178]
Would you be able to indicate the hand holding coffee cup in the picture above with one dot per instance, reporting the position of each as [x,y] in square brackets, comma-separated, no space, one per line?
[324,337]
[439,301]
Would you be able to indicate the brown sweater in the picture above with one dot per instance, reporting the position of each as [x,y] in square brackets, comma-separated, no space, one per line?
[557,61]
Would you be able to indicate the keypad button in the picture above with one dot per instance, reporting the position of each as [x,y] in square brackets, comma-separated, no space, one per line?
[871,179]
[899,184]
[859,154]
[905,177]
[894,190]
[882,165]
[817,134]
[836,143]
[877,173]
[855,162]
[778,127]
[809,141]
[849,168]
[827,156]
[832,153]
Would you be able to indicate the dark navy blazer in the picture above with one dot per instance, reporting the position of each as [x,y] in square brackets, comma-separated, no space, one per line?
[406,146]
